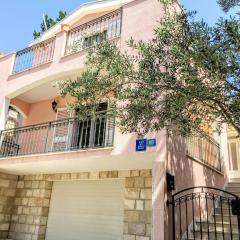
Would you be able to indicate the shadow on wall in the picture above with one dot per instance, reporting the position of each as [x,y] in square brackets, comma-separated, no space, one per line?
[188,172]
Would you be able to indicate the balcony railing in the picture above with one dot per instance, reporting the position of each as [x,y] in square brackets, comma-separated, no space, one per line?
[34,56]
[63,135]
[103,28]
[205,149]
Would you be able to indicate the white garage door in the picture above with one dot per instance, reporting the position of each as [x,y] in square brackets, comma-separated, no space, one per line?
[86,210]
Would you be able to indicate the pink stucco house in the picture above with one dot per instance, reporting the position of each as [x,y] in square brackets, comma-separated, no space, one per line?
[66,179]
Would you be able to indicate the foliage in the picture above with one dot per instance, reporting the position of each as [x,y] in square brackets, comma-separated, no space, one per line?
[187,76]
[228,4]
[49,23]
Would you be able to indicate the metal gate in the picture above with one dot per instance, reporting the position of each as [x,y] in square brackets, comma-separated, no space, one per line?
[205,213]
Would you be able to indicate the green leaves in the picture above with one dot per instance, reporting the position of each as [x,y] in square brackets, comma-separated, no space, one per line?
[187,76]
[228,4]
[49,23]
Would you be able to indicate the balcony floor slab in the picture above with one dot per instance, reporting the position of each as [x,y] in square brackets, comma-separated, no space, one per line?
[76,161]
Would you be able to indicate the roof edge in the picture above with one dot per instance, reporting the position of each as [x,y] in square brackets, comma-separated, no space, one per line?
[83,7]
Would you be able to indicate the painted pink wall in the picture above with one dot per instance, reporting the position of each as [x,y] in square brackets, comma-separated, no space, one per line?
[20,105]
[189,172]
[139,19]
[135,24]
[40,112]
[6,64]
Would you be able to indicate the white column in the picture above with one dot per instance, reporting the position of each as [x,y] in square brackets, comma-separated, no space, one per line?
[224,148]
[4,106]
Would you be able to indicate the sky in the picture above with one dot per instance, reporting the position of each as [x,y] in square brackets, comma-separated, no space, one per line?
[19,18]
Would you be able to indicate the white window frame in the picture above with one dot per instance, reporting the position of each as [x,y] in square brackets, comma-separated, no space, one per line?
[237,141]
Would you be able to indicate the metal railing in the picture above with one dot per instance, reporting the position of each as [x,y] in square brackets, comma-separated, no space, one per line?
[63,135]
[205,149]
[106,27]
[34,56]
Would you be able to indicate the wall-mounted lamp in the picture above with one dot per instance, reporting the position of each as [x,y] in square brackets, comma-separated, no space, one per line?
[54,106]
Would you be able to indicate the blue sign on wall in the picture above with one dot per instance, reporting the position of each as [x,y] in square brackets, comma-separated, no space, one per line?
[141,145]
[151,142]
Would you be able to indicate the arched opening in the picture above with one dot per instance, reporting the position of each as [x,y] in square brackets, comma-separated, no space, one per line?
[14,118]
[9,140]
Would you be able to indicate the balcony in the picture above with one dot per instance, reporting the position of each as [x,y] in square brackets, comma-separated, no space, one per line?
[100,29]
[206,150]
[69,134]
[34,56]
[106,27]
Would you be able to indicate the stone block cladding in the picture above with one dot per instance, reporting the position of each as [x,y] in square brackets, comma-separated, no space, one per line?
[30,208]
[31,200]
[138,205]
[8,185]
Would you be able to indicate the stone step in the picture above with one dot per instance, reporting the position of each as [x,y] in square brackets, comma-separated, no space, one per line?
[211,237]
[226,226]
[233,184]
[237,180]
[225,219]
[224,210]
[235,191]
[215,236]
[233,188]
[220,223]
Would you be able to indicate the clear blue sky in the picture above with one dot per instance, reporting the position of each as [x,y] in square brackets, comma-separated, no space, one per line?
[20,17]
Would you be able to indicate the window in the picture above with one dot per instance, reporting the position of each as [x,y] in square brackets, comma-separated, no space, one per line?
[91,132]
[94,39]
[14,119]
[234,154]
[10,145]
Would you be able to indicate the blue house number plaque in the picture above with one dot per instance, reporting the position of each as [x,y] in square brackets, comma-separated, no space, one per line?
[151,142]
[141,145]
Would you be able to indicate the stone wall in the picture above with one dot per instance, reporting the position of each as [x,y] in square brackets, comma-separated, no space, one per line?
[30,208]
[32,199]
[8,185]
[138,205]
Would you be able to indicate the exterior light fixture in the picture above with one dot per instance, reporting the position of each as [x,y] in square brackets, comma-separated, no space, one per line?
[54,106]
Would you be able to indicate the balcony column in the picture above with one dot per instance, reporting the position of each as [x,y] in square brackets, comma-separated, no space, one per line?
[60,45]
[224,151]
[4,106]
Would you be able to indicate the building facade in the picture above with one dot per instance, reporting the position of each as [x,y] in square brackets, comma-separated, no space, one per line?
[62,178]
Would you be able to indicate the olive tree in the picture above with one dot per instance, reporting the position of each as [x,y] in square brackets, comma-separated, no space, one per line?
[186,76]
